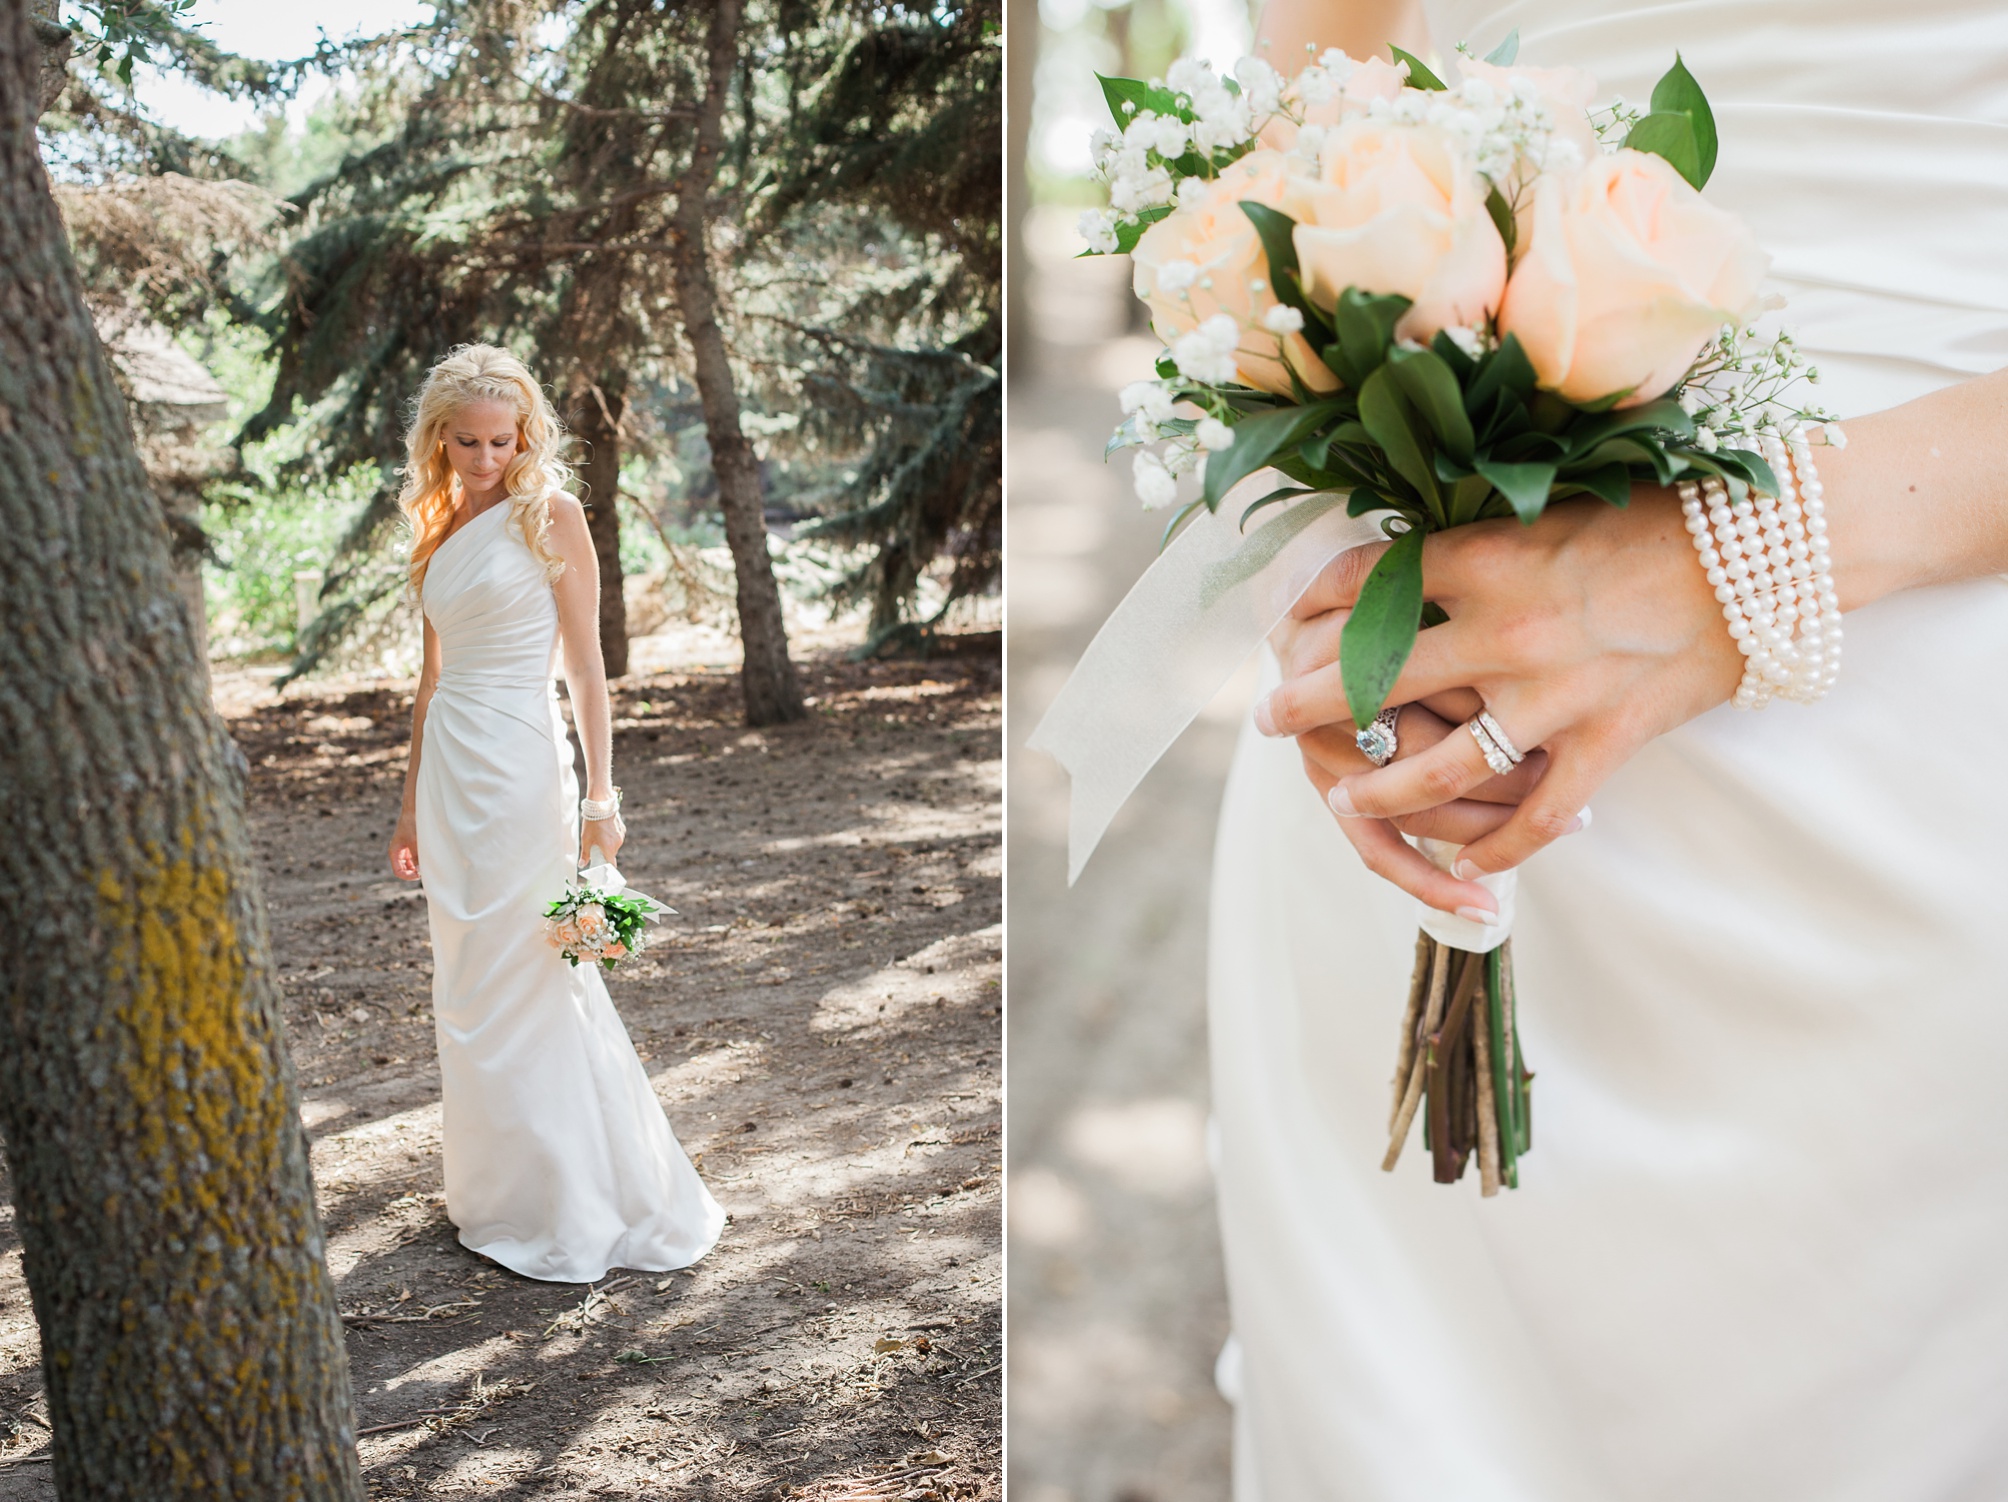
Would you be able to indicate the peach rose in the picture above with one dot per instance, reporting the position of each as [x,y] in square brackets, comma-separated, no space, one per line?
[1567,92]
[1330,92]
[568,935]
[1206,259]
[1400,209]
[1627,273]
[614,950]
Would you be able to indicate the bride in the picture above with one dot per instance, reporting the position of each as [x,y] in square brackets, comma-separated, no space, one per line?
[1756,1254]
[559,1162]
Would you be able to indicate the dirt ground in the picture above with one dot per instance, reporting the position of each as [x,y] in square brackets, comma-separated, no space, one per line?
[822,1025]
[1118,1303]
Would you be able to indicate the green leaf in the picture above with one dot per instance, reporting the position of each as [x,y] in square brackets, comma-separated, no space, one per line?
[1419,77]
[1663,415]
[1461,365]
[1121,91]
[1741,464]
[1431,387]
[1257,440]
[1276,230]
[1612,482]
[1506,369]
[1128,233]
[1551,412]
[1525,486]
[1287,492]
[1467,499]
[1365,327]
[1504,54]
[1392,422]
[1672,136]
[1502,218]
[1380,633]
[1677,93]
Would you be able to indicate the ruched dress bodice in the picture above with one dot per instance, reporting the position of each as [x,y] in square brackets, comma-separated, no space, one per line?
[559,1161]
[1755,1254]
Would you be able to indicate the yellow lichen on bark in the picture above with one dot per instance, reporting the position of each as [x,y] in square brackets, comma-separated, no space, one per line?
[203,1110]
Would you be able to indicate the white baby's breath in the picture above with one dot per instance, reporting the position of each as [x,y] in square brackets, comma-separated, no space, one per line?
[1213,434]
[1154,485]
[1151,400]
[1283,319]
[1207,353]
[1098,228]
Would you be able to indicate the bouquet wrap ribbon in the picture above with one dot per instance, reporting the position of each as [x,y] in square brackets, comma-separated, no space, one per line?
[601,876]
[1186,627]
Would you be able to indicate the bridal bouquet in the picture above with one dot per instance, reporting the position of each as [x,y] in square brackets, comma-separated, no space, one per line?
[1435,303]
[600,919]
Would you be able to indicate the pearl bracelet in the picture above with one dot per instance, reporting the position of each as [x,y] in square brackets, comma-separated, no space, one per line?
[1769,564]
[593,810]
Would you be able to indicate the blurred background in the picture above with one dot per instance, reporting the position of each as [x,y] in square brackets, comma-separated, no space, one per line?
[1117,1307]
[283,215]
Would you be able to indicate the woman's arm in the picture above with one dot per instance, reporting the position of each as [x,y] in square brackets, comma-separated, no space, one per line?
[1593,631]
[1361,28]
[578,594]
[404,840]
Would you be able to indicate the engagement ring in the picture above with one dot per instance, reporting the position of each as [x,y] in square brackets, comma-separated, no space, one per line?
[1377,742]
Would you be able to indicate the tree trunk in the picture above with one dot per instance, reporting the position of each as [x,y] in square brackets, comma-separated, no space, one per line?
[596,421]
[772,693]
[1021,25]
[191,1347]
[54,43]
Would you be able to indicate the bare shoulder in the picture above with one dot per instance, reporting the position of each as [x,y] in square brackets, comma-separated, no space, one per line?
[569,534]
[566,510]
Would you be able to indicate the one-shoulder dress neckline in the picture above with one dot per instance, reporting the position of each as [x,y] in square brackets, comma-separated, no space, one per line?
[467,526]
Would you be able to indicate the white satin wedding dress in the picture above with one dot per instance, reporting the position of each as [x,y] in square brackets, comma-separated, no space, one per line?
[559,1161]
[1758,1252]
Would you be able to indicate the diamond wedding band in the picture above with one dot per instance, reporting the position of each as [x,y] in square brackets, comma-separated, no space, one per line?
[1500,754]
[1377,742]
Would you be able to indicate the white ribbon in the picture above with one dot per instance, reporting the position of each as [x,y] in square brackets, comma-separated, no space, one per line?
[601,877]
[1197,614]
[1186,627]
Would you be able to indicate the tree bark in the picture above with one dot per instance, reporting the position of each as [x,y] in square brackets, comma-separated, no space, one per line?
[1020,65]
[596,422]
[53,63]
[772,693]
[191,1346]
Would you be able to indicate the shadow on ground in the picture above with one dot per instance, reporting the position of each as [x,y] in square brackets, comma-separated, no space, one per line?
[822,1025]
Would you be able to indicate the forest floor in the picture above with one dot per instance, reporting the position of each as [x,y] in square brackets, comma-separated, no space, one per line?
[822,1024]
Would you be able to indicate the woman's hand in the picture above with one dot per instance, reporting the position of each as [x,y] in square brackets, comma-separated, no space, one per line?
[404,847]
[1585,634]
[605,833]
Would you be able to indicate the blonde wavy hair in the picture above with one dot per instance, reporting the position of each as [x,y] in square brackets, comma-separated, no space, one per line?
[481,373]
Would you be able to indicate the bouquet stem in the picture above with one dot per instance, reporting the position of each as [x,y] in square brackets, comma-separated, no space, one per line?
[1459,1067]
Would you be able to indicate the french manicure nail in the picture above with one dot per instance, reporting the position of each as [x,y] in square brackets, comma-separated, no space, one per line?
[1479,915]
[1583,820]
[1342,801]
[1264,720]
[1465,871]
